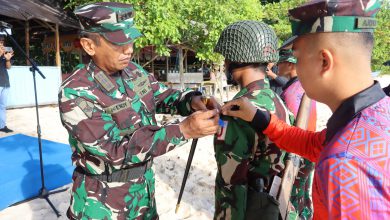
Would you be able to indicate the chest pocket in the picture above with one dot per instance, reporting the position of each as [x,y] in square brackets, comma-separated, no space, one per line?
[143,89]
[124,116]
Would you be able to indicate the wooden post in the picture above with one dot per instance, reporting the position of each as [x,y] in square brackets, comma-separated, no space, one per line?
[181,69]
[152,61]
[167,63]
[27,40]
[57,40]
[185,61]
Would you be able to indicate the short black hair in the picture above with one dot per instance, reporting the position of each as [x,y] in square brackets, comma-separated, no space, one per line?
[363,39]
[232,66]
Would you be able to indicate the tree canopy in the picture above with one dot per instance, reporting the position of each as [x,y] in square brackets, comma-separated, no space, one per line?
[196,25]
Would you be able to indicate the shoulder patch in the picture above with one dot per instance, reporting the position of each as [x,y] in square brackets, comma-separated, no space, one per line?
[222,131]
[86,106]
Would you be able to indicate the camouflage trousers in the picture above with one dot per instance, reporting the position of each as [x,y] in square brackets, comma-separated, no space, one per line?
[94,199]
[230,200]
[301,192]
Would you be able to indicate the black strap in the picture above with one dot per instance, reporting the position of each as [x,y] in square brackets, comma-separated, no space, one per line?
[123,175]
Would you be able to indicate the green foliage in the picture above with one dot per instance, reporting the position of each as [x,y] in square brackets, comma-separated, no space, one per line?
[276,16]
[196,25]
[381,51]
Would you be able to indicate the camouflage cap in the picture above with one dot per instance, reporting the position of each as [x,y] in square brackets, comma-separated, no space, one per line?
[286,55]
[248,42]
[114,21]
[319,16]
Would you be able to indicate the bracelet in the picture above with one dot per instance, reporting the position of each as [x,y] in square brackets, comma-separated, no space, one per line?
[7,60]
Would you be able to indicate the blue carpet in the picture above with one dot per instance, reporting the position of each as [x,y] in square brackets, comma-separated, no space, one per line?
[20,177]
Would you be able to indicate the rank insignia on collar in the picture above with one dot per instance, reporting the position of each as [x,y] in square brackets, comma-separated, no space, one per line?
[104,81]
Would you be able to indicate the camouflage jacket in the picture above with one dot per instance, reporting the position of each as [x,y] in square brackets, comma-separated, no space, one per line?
[111,125]
[242,154]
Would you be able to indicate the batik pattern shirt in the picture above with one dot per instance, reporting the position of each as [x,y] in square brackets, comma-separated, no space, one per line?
[352,173]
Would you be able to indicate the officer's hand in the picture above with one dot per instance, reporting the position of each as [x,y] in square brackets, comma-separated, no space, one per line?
[200,124]
[240,108]
[2,50]
[204,103]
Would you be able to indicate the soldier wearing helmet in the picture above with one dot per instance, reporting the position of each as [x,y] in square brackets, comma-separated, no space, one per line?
[333,44]
[108,107]
[247,162]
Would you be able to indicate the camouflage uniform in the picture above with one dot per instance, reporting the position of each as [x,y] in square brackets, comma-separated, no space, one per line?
[112,127]
[244,156]
[292,95]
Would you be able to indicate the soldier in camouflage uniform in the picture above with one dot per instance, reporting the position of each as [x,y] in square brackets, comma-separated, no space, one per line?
[292,95]
[108,107]
[333,43]
[246,160]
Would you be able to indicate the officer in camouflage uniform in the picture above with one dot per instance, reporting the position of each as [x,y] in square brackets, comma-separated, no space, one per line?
[246,160]
[108,107]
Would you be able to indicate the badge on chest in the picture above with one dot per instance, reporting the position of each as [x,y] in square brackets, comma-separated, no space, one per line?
[141,84]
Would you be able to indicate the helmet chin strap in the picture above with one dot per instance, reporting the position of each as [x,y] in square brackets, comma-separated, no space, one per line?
[229,77]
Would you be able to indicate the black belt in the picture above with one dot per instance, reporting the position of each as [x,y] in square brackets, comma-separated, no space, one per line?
[123,175]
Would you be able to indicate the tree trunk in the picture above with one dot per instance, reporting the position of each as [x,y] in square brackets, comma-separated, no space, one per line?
[186,61]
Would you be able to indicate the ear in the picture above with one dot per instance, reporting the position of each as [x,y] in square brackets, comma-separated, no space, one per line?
[88,46]
[327,61]
[291,65]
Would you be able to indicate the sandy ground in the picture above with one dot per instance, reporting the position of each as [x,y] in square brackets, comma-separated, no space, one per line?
[198,198]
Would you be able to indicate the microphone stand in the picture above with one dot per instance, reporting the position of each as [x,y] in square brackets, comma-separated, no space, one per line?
[43,192]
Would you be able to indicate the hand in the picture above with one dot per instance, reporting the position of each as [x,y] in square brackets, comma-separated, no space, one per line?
[240,108]
[200,124]
[269,72]
[9,55]
[204,103]
[2,50]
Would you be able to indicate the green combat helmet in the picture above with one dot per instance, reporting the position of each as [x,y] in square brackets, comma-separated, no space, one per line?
[248,42]
[112,20]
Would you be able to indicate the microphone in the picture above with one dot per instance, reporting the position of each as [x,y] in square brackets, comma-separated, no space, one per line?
[5,24]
